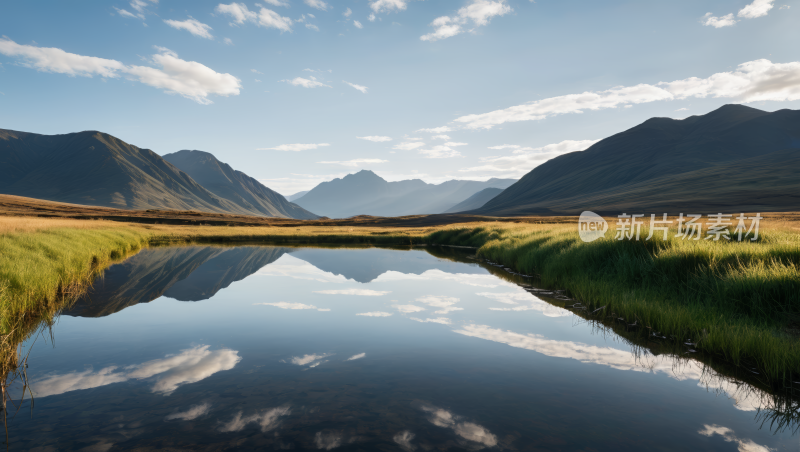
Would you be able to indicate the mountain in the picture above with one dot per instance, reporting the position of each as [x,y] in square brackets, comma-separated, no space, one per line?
[733,159]
[475,201]
[95,168]
[366,193]
[297,195]
[190,273]
[235,186]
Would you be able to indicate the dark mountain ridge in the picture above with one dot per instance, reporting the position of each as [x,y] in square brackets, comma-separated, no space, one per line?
[750,155]
[95,168]
[222,180]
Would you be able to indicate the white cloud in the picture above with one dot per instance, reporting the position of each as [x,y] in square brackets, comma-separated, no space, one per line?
[753,81]
[296,147]
[276,2]
[758,8]
[264,18]
[193,412]
[375,314]
[441,151]
[371,17]
[380,6]
[308,359]
[525,159]
[408,146]
[355,163]
[347,12]
[288,305]
[305,82]
[718,22]
[125,13]
[139,5]
[193,26]
[442,129]
[256,71]
[318,4]
[442,320]
[682,109]
[745,445]
[375,138]
[355,357]
[268,420]
[408,308]
[440,137]
[357,24]
[479,12]
[359,292]
[312,27]
[227,41]
[188,366]
[187,78]
[361,88]
[785,7]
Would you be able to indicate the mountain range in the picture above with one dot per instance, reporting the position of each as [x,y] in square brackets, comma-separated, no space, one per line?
[95,168]
[733,159]
[475,201]
[366,193]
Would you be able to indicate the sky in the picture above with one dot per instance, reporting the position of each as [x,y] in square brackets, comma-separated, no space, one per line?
[296,92]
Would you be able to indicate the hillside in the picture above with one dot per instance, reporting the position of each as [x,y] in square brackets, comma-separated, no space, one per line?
[235,186]
[297,195]
[366,193]
[735,158]
[95,168]
[475,201]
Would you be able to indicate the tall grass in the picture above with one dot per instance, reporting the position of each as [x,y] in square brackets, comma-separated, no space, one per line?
[740,300]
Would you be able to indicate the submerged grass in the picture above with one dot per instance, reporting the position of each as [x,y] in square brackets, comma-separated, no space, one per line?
[740,300]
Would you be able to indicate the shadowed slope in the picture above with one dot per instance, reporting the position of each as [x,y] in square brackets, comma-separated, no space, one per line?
[475,201]
[655,164]
[235,186]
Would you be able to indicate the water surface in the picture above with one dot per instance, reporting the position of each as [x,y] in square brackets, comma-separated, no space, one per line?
[251,348]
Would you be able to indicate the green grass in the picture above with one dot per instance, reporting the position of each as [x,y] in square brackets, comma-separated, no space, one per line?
[739,300]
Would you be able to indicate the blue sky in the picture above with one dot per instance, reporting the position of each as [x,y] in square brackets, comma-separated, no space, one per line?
[503,84]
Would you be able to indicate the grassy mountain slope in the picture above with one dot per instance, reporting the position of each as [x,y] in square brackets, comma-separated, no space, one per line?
[475,201]
[235,186]
[730,158]
[366,193]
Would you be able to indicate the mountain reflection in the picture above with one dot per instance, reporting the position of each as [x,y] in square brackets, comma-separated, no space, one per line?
[191,273]
[188,366]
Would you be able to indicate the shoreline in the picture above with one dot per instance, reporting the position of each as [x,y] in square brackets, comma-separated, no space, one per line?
[753,344]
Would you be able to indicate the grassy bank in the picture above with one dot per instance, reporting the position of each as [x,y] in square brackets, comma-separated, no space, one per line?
[740,300]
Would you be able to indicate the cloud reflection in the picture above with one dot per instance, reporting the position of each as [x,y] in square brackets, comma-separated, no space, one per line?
[467,430]
[358,292]
[292,267]
[267,420]
[193,412]
[288,305]
[307,359]
[188,366]
[489,281]
[535,304]
[442,320]
[327,440]
[743,399]
[355,357]
[404,439]
[745,445]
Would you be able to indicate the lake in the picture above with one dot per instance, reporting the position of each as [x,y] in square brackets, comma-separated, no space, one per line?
[273,348]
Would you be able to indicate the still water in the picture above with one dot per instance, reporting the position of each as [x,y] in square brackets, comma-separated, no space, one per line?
[262,348]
